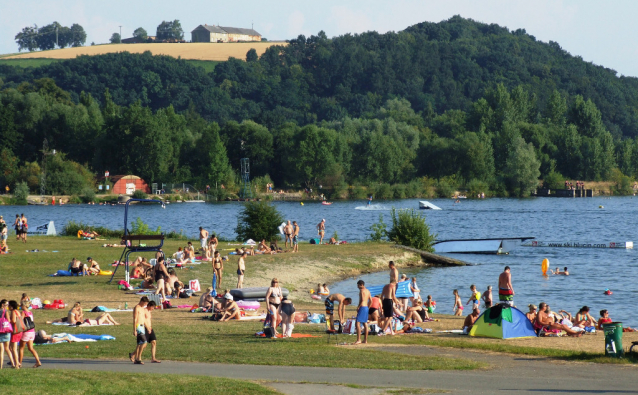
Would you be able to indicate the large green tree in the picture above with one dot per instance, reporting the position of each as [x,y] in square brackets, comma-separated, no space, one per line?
[170,30]
[522,167]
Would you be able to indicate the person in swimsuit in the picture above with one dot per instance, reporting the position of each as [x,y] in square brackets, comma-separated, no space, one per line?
[15,317]
[375,309]
[470,320]
[5,338]
[94,267]
[388,299]
[150,333]
[295,237]
[273,300]
[505,289]
[286,311]
[417,312]
[25,228]
[76,315]
[78,267]
[218,268]
[231,310]
[321,230]
[531,315]
[41,337]
[363,311]
[583,318]
[161,276]
[241,268]
[394,273]
[563,273]
[212,244]
[487,297]
[288,230]
[203,240]
[330,306]
[139,330]
[415,291]
[458,305]
[17,226]
[475,298]
[545,323]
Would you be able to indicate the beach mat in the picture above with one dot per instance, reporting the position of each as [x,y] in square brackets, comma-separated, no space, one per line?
[403,289]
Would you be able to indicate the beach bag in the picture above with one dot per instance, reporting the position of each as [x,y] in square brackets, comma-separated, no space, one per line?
[350,327]
[19,327]
[374,329]
[36,303]
[28,323]
[167,304]
[5,324]
[194,285]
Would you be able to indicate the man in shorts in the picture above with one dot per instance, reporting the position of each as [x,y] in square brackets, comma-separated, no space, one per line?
[139,330]
[363,311]
[203,238]
[388,299]
[330,306]
[288,233]
[321,230]
[295,237]
[505,289]
[241,269]
[150,332]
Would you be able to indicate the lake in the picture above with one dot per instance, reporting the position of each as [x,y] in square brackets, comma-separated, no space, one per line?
[547,219]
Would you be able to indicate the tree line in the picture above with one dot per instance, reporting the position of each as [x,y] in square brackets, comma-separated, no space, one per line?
[50,36]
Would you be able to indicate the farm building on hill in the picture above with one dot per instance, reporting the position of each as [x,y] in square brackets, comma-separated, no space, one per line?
[223,34]
[127,185]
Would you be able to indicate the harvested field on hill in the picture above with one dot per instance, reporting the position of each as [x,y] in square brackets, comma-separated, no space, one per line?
[198,51]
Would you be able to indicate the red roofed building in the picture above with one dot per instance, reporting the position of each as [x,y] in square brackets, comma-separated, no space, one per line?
[127,185]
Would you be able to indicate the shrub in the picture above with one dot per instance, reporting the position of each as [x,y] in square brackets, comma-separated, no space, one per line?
[379,230]
[554,180]
[88,195]
[475,187]
[257,221]
[410,229]
[139,194]
[75,199]
[358,192]
[20,193]
[384,191]
[444,188]
[138,227]
[399,191]
[413,189]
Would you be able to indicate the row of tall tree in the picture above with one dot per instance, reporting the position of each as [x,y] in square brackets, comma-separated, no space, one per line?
[50,36]
[166,31]
[505,143]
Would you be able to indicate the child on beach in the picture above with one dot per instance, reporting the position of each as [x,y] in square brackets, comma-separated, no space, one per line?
[458,305]
[430,304]
[475,298]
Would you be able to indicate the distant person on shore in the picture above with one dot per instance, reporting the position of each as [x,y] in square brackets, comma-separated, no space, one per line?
[505,289]
[203,239]
[17,225]
[94,267]
[470,320]
[370,200]
[363,310]
[25,227]
[403,301]
[321,230]
[273,301]
[295,236]
[330,306]
[4,233]
[458,304]
[161,276]
[241,269]
[416,292]
[218,268]
[288,230]
[394,273]
[563,273]
[487,297]
[544,322]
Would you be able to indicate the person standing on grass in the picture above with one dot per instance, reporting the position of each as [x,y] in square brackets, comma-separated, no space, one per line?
[288,233]
[139,330]
[16,336]
[161,277]
[218,268]
[273,300]
[321,230]
[330,307]
[388,300]
[203,239]
[505,289]
[295,237]
[241,269]
[150,332]
[5,338]
[363,311]
[25,227]
[28,336]
[17,226]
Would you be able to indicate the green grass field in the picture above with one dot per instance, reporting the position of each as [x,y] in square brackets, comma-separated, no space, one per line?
[208,65]
[71,382]
[24,63]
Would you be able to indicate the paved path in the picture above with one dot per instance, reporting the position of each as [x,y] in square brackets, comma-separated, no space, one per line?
[507,373]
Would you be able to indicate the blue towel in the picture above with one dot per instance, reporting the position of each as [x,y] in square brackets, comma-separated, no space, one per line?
[94,337]
[403,289]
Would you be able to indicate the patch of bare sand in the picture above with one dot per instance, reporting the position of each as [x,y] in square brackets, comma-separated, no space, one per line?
[307,272]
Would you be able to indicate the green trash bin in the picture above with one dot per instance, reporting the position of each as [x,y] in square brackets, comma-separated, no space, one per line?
[613,339]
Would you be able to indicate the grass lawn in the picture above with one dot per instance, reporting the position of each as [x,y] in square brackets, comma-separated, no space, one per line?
[70,382]
[186,336]
[208,65]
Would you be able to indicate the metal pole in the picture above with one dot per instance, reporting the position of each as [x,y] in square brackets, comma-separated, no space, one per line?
[56,37]
[120,33]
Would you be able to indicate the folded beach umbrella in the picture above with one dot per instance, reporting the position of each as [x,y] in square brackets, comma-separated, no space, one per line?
[502,322]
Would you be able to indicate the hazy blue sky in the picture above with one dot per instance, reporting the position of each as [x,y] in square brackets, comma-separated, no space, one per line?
[601,32]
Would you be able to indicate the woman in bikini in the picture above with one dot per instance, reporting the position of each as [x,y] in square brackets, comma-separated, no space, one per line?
[458,304]
[417,312]
[218,268]
[287,312]
[583,318]
[531,315]
[161,276]
[273,300]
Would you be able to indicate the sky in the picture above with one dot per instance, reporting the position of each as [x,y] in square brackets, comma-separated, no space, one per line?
[600,32]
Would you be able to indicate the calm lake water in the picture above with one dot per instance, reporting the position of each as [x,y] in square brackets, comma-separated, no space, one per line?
[547,219]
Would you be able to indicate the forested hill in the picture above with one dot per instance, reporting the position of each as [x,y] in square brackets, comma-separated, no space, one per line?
[436,66]
[456,104]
